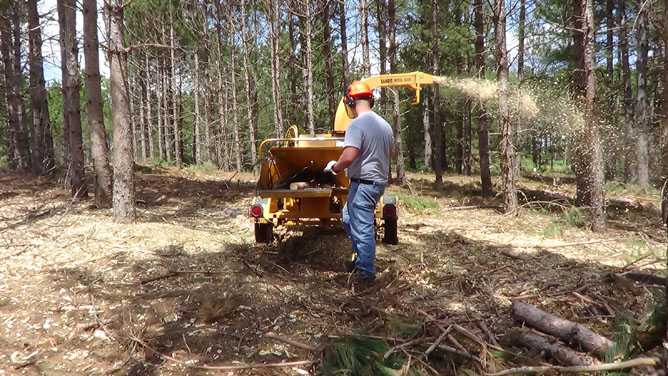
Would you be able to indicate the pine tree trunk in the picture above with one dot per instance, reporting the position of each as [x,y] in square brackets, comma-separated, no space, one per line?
[343,35]
[306,36]
[483,133]
[436,102]
[98,136]
[222,150]
[159,105]
[149,112]
[124,179]
[507,148]
[133,118]
[627,95]
[19,149]
[595,170]
[71,90]
[42,157]
[664,108]
[642,116]
[196,139]
[250,106]
[233,83]
[396,113]
[364,19]
[273,10]
[178,158]
[166,117]
[610,40]
[466,160]
[381,21]
[329,61]
[142,123]
[520,38]
[427,133]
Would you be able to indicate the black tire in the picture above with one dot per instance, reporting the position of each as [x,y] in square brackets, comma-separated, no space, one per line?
[390,235]
[264,232]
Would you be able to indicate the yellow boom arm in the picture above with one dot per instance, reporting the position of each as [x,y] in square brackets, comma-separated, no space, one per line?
[413,80]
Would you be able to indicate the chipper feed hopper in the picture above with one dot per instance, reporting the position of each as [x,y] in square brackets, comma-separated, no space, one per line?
[292,188]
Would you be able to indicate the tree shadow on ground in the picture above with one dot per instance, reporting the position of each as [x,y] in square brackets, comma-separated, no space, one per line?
[215,306]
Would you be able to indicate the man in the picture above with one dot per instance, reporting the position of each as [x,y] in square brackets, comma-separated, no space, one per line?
[366,154]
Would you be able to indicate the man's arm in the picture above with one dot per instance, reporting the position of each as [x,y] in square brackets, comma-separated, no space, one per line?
[349,154]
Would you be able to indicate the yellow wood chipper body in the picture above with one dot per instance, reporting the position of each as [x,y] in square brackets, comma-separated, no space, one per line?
[293,189]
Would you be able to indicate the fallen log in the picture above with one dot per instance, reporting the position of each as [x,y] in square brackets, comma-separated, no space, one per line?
[638,362]
[550,347]
[570,332]
[644,278]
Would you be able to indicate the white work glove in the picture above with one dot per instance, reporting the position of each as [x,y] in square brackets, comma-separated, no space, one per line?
[329,167]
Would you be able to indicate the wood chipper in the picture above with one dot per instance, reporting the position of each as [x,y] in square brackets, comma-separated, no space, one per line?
[292,188]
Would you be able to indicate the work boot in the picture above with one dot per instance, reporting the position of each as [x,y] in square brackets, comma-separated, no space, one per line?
[360,280]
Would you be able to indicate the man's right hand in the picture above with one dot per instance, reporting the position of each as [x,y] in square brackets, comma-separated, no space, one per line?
[329,167]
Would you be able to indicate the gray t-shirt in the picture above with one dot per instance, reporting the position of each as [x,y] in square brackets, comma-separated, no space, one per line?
[373,136]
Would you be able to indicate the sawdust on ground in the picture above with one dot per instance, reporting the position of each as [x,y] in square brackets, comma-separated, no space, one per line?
[186,286]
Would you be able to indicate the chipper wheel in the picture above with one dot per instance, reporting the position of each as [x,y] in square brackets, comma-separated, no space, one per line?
[264,232]
[390,220]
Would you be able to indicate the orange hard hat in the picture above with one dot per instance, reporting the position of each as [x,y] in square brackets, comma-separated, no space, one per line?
[359,89]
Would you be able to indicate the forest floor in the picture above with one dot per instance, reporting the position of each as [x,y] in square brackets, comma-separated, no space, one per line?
[186,286]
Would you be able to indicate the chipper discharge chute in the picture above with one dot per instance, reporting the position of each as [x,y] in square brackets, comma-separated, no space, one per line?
[292,188]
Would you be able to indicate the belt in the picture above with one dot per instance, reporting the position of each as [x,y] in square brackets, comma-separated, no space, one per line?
[364,181]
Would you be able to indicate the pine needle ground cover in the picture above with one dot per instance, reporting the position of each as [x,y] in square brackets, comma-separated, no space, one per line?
[185,287]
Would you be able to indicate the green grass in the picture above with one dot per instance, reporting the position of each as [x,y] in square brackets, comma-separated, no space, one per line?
[620,189]
[571,218]
[417,203]
[206,168]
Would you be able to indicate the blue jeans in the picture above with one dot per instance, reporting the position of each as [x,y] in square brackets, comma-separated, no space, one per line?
[358,221]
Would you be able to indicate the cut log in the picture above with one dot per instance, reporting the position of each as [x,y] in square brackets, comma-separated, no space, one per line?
[644,278]
[568,331]
[550,347]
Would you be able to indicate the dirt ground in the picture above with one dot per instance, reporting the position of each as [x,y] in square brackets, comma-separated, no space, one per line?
[186,286]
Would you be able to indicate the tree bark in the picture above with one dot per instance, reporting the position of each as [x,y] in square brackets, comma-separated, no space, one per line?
[396,113]
[159,106]
[142,122]
[550,348]
[306,35]
[483,133]
[329,63]
[149,112]
[98,136]
[436,102]
[250,106]
[42,157]
[196,139]
[568,331]
[343,35]
[233,83]
[364,19]
[178,158]
[642,115]
[507,133]
[71,90]
[664,108]
[427,133]
[124,179]
[18,143]
[520,38]
[595,168]
[273,10]
[627,101]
